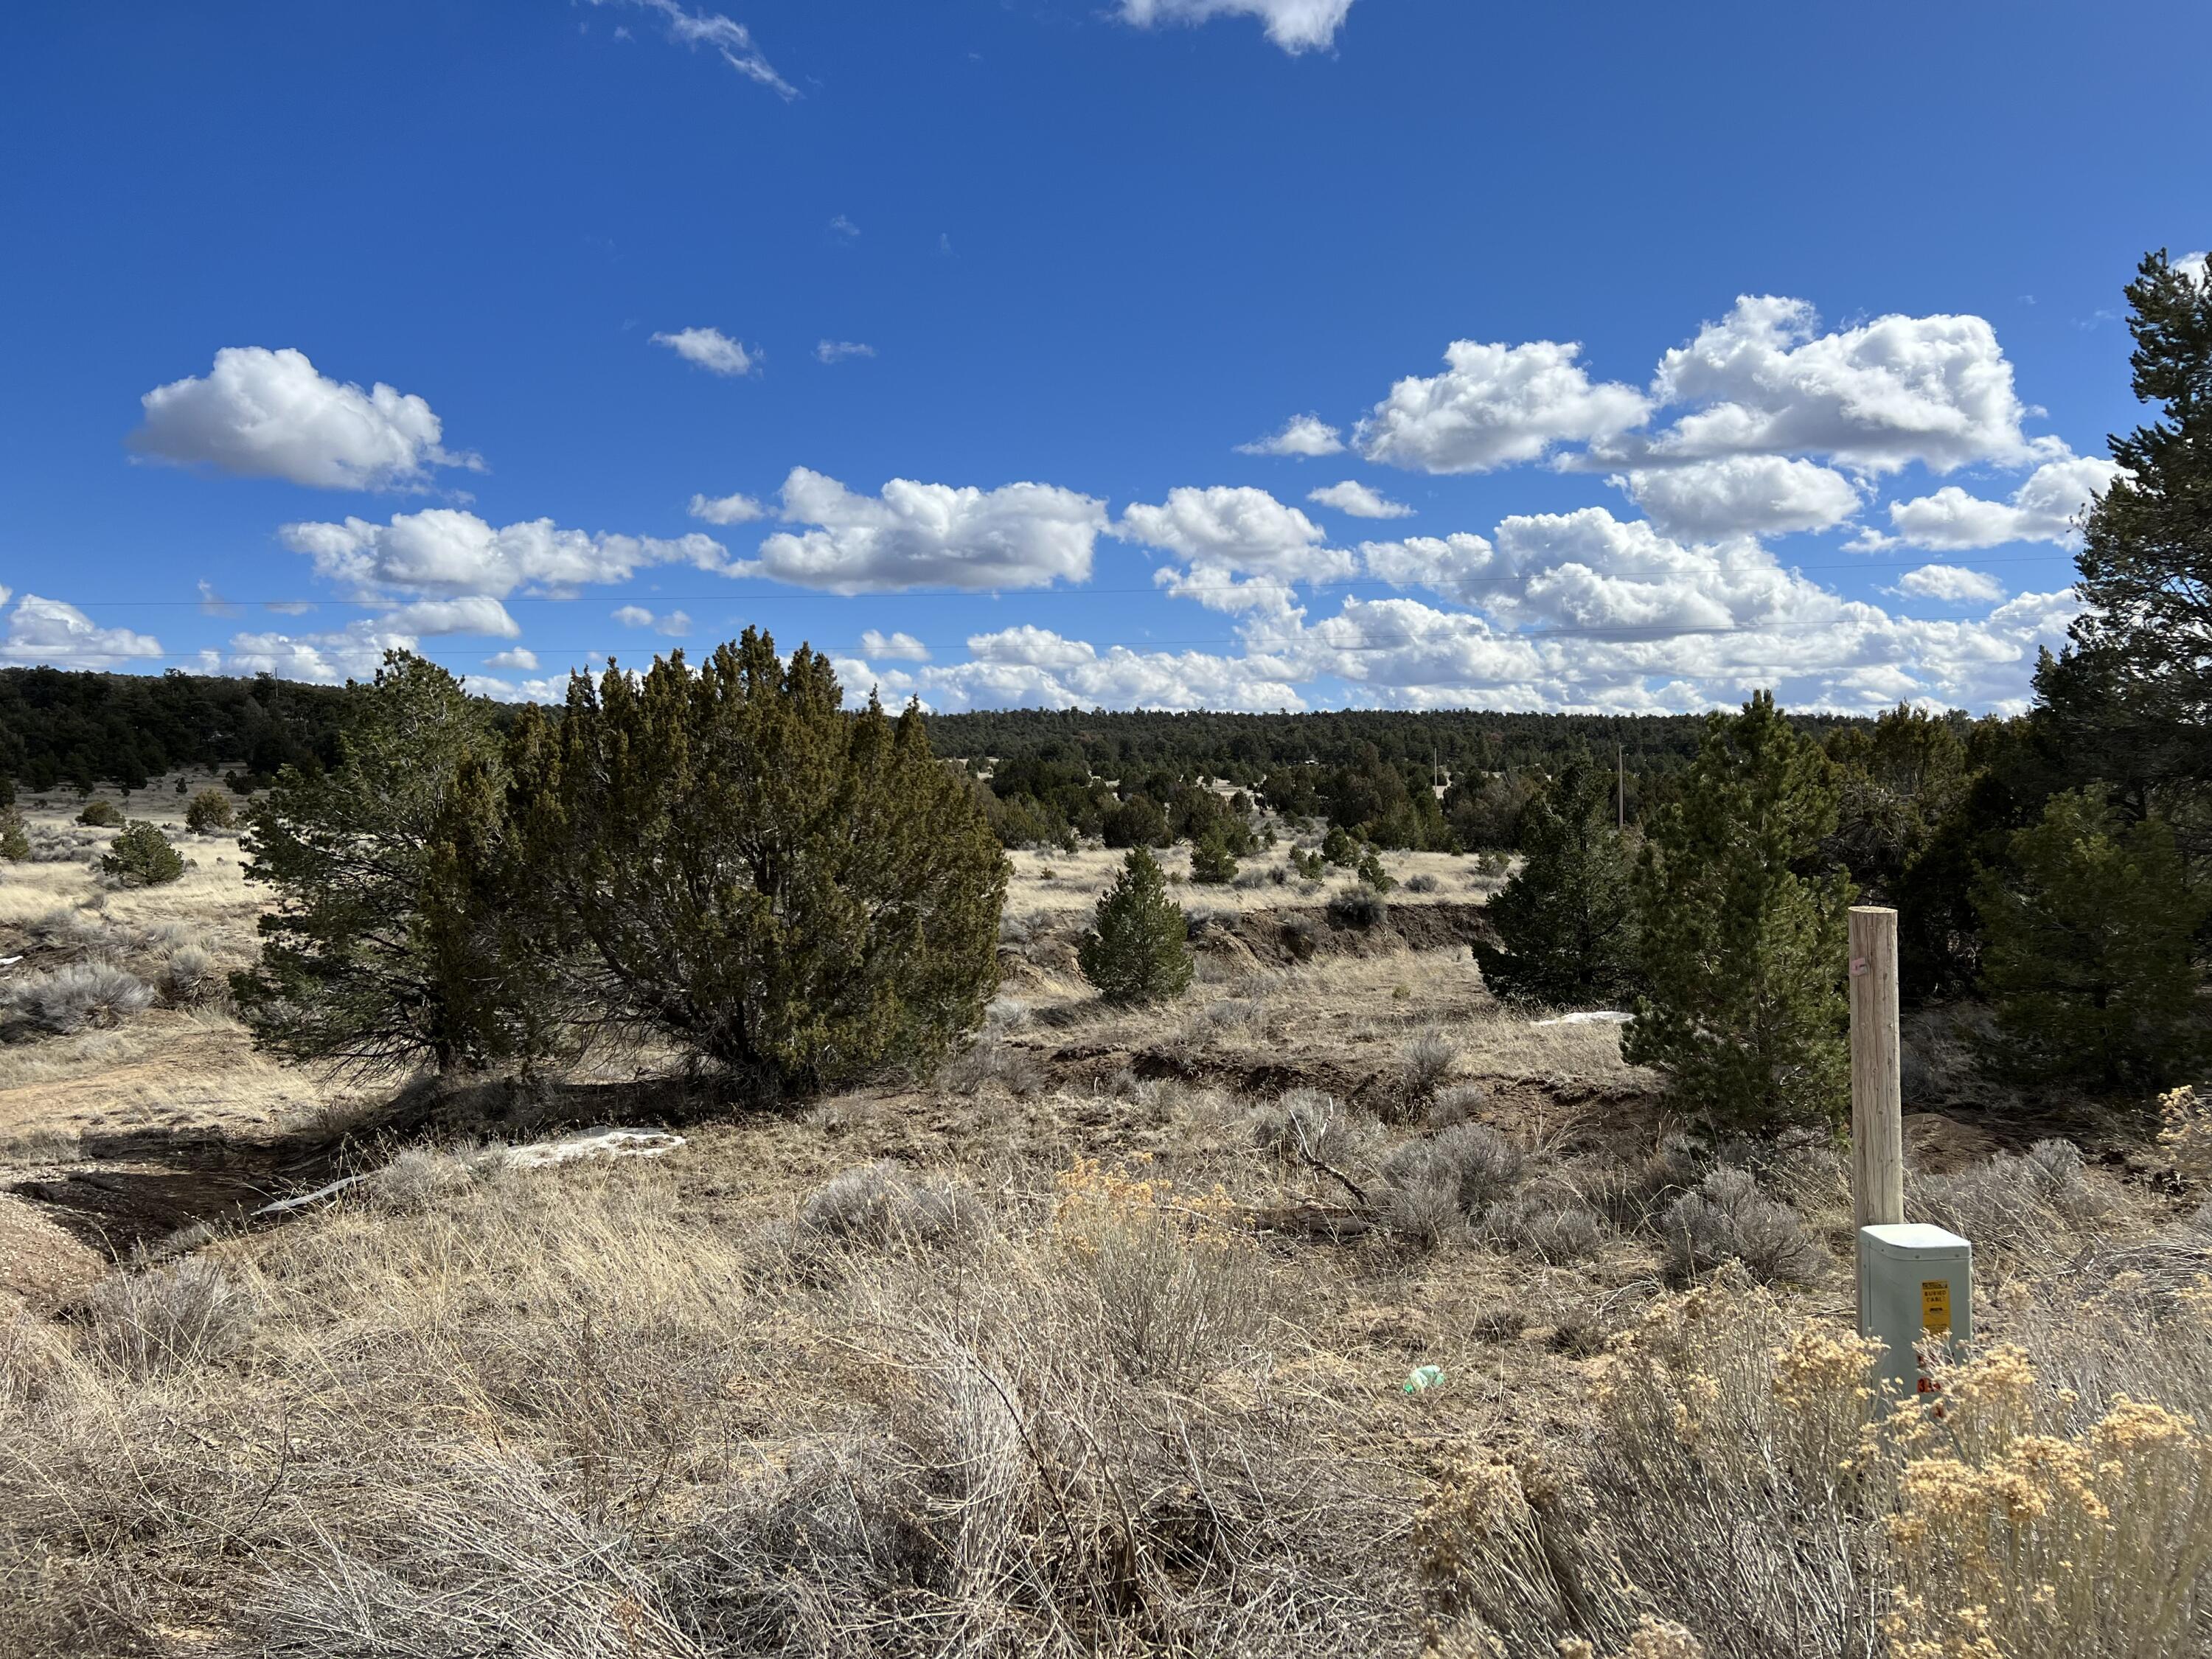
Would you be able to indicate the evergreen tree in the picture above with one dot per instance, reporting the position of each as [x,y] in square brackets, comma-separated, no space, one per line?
[2131,695]
[15,839]
[1140,821]
[375,956]
[1741,955]
[1565,926]
[1210,862]
[1138,948]
[209,809]
[142,857]
[2086,962]
[727,859]
[99,815]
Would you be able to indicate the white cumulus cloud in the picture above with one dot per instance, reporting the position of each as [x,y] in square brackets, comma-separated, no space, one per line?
[471,613]
[2046,507]
[727,509]
[1742,494]
[41,630]
[1495,405]
[1764,380]
[710,349]
[1296,26]
[1447,565]
[837,351]
[899,647]
[1952,583]
[919,535]
[1303,435]
[446,551]
[264,414]
[1357,498]
[518,658]
[674,623]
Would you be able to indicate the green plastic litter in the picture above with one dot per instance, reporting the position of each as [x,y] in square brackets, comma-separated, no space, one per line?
[1424,1376]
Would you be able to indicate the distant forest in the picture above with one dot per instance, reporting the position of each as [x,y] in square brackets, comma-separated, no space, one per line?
[1457,741]
[64,729]
[81,729]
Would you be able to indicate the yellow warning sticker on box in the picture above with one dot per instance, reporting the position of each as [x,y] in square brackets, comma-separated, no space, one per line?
[1936,1304]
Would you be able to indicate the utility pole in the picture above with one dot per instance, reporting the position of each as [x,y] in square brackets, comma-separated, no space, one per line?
[1619,789]
[1877,1105]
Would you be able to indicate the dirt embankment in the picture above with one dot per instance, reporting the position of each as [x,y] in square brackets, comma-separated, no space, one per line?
[1299,933]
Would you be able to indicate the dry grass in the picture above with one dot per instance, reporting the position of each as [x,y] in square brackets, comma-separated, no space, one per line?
[1097,1342]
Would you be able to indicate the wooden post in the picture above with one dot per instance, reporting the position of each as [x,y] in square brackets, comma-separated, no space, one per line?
[1877,1087]
[1619,788]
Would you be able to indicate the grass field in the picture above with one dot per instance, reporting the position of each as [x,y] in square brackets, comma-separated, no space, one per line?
[1332,1309]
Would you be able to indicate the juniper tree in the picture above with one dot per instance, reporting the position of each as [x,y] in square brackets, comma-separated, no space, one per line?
[1565,926]
[209,809]
[1741,955]
[1137,947]
[2132,695]
[142,857]
[383,948]
[726,860]
[2087,944]
[15,839]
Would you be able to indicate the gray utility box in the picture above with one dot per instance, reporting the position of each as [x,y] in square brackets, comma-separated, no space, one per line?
[1916,1284]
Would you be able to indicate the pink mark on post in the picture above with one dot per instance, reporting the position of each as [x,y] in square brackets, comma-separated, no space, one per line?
[1858,966]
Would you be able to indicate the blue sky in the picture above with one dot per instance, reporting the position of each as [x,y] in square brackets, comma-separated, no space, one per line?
[1639,355]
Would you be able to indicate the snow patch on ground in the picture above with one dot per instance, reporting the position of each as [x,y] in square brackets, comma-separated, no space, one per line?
[603,1141]
[1593,1017]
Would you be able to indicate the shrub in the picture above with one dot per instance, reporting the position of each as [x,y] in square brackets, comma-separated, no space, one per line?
[1358,907]
[82,995]
[142,857]
[727,860]
[1421,883]
[1727,1219]
[1372,874]
[152,1324]
[1305,1123]
[100,815]
[190,977]
[1138,948]
[1740,955]
[1465,1168]
[2087,960]
[208,810]
[1338,847]
[1211,863]
[1565,931]
[2029,1203]
[15,837]
[1555,1227]
[1456,1103]
[987,1060]
[1426,1058]
[879,1206]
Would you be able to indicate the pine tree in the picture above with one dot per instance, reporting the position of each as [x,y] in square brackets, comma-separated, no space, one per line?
[376,958]
[1566,925]
[1138,948]
[2131,694]
[142,857]
[2086,962]
[15,839]
[1741,955]
[1210,862]
[728,861]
